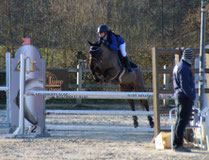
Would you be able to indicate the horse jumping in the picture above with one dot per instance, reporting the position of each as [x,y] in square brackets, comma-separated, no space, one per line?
[105,67]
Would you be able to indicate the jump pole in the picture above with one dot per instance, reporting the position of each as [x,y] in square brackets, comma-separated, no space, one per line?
[100,112]
[96,94]
[99,128]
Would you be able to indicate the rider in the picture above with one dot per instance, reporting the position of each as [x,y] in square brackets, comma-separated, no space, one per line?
[115,42]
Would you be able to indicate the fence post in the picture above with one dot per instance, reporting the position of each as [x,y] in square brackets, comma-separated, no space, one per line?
[177,58]
[155,90]
[79,79]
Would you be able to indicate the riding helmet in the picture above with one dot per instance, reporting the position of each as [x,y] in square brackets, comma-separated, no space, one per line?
[103,28]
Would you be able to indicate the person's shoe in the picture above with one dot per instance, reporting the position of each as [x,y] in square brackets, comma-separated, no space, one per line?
[181,149]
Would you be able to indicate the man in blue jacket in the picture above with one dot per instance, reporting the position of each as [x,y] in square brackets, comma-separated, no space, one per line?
[115,42]
[184,94]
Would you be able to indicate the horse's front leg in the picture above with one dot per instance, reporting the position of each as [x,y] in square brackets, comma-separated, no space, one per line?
[96,78]
[95,75]
[106,76]
[94,70]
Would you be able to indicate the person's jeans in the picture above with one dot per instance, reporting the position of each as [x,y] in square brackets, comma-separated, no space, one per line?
[184,110]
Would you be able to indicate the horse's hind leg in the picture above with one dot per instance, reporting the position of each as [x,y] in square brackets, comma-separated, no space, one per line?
[131,103]
[146,106]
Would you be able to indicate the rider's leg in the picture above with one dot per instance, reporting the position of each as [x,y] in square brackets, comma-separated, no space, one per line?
[124,54]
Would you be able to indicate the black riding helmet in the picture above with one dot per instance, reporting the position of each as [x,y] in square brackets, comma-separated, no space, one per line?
[103,28]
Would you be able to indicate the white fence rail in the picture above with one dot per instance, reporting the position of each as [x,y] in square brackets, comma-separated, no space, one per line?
[100,112]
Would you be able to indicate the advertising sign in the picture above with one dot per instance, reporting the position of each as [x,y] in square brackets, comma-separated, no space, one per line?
[57,80]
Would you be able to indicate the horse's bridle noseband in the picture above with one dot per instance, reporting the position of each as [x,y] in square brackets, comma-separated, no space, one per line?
[94,50]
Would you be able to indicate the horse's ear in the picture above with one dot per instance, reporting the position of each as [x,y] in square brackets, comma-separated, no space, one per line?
[91,44]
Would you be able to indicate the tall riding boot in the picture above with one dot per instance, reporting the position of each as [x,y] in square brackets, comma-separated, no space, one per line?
[127,64]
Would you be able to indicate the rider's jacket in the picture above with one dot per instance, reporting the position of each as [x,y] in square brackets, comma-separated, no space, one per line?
[113,40]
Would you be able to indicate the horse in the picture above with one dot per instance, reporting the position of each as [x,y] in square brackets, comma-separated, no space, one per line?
[105,66]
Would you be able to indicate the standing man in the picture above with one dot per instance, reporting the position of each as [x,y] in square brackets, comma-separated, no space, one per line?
[184,94]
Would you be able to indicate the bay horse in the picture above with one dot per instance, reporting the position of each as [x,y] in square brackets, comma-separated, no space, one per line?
[105,66]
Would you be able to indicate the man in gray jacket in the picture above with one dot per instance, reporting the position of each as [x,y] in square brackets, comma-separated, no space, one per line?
[184,94]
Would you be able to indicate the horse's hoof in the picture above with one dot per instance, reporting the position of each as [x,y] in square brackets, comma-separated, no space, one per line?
[136,124]
[151,124]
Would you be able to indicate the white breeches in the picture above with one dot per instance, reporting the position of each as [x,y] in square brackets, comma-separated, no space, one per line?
[123,49]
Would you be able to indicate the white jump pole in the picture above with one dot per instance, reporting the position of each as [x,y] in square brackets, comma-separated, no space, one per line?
[20,130]
[101,112]
[98,128]
[3,88]
[97,94]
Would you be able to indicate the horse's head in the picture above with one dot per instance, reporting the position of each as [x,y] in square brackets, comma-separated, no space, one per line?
[95,52]
[101,59]
[95,59]
[100,52]
[98,59]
